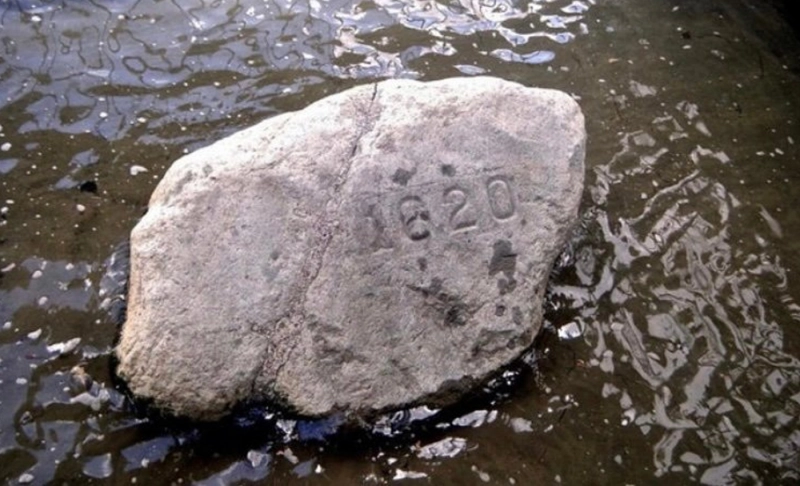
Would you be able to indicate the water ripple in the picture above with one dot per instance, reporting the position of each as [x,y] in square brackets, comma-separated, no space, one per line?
[109,67]
[671,296]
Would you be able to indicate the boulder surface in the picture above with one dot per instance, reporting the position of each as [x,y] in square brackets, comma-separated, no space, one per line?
[387,246]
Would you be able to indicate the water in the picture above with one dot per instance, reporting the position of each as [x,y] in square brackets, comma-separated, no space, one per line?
[671,351]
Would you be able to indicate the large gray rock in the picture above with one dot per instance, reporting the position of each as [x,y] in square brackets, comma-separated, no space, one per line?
[385,246]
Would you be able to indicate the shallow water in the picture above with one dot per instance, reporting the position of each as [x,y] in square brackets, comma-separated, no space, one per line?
[672,341]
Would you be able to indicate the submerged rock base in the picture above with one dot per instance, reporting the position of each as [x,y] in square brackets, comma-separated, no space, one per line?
[386,246]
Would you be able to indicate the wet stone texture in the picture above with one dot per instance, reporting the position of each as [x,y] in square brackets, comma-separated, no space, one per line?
[385,246]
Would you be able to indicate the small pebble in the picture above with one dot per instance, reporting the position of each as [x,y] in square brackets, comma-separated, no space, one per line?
[137,169]
[289,455]
[65,347]
[520,425]
[81,208]
[5,147]
[36,274]
[22,381]
[257,458]
[35,334]
[25,478]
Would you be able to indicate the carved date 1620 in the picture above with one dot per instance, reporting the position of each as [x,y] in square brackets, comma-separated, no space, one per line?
[458,208]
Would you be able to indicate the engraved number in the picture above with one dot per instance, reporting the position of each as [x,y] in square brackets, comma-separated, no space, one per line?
[415,217]
[462,215]
[501,200]
[375,228]
[462,212]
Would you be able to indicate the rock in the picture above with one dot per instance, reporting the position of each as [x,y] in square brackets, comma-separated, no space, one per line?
[386,246]
[65,347]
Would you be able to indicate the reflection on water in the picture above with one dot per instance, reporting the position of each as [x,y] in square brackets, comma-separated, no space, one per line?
[672,348]
[107,67]
[672,296]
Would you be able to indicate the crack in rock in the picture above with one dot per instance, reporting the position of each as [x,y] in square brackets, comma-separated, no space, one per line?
[325,227]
